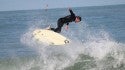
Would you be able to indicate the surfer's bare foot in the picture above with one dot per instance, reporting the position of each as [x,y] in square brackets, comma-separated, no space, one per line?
[48,28]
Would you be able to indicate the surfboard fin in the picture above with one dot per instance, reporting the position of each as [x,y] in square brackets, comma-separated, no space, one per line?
[48,28]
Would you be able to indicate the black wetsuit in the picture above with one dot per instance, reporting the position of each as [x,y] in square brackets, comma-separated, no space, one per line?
[64,20]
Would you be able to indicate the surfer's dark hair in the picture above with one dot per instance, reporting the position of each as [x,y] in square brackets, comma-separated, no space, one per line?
[79,18]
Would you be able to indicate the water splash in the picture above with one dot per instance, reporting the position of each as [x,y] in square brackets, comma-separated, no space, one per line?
[96,48]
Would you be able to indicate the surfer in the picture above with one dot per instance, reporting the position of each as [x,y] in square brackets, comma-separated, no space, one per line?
[66,20]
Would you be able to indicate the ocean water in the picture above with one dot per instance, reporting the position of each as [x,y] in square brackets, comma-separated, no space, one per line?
[97,42]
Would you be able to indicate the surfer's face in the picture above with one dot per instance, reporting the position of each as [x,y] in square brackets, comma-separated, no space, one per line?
[77,20]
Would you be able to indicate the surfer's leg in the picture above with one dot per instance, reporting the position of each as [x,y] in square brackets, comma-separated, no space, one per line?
[52,29]
[59,26]
[58,30]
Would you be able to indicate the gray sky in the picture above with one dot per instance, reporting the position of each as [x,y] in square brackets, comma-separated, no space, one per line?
[6,5]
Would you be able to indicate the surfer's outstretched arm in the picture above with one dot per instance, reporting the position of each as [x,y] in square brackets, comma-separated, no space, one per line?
[71,12]
[67,26]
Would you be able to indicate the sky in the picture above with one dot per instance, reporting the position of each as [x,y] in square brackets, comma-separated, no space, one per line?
[9,5]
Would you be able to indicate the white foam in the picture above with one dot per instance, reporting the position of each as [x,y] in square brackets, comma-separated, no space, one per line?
[97,45]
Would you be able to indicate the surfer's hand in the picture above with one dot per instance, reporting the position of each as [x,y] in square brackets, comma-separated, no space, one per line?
[66,27]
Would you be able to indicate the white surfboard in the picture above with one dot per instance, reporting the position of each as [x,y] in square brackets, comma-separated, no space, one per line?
[50,37]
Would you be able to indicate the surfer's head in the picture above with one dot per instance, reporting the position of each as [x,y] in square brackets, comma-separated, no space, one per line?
[78,19]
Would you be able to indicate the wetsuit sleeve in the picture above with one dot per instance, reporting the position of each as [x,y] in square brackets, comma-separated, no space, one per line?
[71,12]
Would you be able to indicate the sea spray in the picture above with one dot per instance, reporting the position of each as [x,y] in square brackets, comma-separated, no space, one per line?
[91,48]
[52,57]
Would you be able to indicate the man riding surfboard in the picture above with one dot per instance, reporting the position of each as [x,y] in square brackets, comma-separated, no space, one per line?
[66,20]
